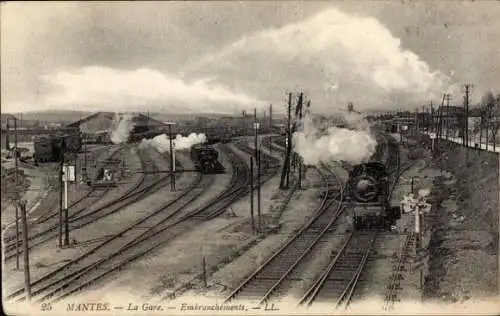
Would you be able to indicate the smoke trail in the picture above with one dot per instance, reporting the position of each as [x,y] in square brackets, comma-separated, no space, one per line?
[356,121]
[338,144]
[162,142]
[123,129]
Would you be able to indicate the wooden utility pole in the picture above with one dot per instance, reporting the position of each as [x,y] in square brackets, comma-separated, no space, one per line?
[172,176]
[244,114]
[85,169]
[447,121]
[251,194]
[255,134]
[16,169]
[7,140]
[468,88]
[297,155]
[27,282]
[270,118]
[488,118]
[440,119]
[259,215]
[204,272]
[286,165]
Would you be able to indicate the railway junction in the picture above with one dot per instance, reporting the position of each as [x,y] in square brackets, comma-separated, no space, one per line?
[266,230]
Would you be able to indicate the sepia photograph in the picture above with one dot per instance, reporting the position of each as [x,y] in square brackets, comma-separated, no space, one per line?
[250,157]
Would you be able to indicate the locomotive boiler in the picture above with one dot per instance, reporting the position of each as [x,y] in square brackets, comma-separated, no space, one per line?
[367,196]
[205,159]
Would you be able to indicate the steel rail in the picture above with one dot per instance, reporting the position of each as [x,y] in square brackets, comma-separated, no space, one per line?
[149,243]
[324,206]
[137,241]
[67,266]
[131,196]
[43,218]
[314,290]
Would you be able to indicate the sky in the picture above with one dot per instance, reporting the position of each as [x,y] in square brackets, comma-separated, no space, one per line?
[225,57]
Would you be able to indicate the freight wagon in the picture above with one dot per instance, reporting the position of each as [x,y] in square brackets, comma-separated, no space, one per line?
[48,148]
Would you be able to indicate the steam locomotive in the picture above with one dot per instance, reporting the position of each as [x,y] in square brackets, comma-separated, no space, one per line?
[205,159]
[367,196]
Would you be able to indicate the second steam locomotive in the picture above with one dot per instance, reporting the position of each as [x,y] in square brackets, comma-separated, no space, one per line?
[205,158]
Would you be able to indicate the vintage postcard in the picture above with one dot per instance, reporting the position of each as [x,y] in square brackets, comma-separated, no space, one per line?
[250,157]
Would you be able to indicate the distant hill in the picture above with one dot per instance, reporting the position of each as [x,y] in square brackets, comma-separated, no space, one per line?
[66,117]
[52,116]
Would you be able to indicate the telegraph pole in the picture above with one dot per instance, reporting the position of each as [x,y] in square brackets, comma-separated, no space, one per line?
[257,162]
[255,134]
[447,121]
[27,282]
[251,194]
[270,118]
[172,177]
[468,87]
[297,155]
[7,140]
[258,192]
[17,184]
[440,119]
[84,139]
[286,165]
[244,114]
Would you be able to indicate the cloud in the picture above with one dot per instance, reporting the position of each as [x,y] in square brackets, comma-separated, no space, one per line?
[335,57]
[102,88]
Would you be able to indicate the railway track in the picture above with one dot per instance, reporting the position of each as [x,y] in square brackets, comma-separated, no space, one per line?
[163,225]
[10,241]
[147,184]
[338,280]
[115,251]
[276,275]
[49,215]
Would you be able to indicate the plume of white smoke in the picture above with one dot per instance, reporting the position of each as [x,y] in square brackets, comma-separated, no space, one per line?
[424,192]
[356,121]
[338,144]
[162,142]
[123,128]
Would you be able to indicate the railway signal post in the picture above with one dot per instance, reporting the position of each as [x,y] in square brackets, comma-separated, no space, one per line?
[68,176]
[433,140]
[257,161]
[61,197]
[285,175]
[172,176]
